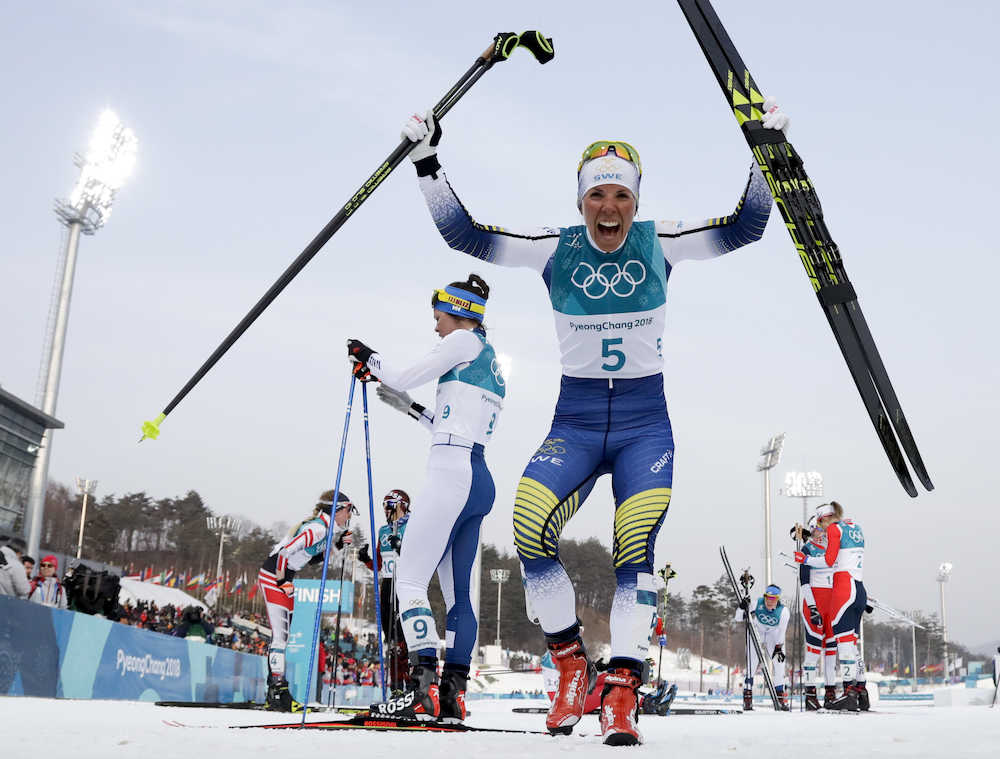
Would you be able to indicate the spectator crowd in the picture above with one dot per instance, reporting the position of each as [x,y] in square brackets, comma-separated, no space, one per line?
[18,578]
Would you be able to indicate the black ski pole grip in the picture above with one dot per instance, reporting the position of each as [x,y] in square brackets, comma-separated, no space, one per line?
[538,44]
[504,44]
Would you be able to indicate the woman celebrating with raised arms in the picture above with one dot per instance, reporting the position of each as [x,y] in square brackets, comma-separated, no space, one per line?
[607,282]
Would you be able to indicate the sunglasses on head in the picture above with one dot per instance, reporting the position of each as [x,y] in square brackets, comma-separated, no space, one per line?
[46,564]
[603,147]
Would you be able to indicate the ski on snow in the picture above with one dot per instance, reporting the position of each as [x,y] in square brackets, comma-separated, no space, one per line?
[752,632]
[241,705]
[376,724]
[796,199]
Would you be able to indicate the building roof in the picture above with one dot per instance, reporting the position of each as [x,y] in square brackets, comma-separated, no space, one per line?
[49,422]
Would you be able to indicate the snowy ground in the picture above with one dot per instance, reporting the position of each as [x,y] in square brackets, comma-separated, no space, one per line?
[108,729]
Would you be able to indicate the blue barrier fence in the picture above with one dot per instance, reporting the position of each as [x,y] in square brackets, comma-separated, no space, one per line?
[65,654]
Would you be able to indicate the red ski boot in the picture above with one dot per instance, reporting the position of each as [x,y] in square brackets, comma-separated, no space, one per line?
[620,708]
[576,679]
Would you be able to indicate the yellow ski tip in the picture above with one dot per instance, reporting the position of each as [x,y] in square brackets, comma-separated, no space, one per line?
[152,429]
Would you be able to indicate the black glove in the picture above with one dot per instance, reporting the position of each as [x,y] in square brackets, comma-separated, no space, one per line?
[779,653]
[364,555]
[358,351]
[869,609]
[815,617]
[362,372]
[745,603]
[394,542]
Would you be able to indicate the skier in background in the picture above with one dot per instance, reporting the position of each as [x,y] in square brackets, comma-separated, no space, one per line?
[770,618]
[844,554]
[442,534]
[607,282]
[816,585]
[304,544]
[390,537]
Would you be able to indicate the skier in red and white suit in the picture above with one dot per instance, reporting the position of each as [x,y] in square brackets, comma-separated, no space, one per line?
[816,587]
[845,552]
[304,544]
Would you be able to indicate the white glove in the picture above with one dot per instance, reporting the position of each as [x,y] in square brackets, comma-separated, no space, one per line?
[424,131]
[773,117]
[399,400]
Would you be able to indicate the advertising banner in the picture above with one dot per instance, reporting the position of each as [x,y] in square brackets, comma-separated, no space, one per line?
[66,654]
[300,635]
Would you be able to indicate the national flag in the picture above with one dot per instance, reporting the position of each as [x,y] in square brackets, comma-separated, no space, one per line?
[169,578]
[252,591]
[240,582]
[195,580]
[212,592]
[226,586]
[157,579]
[147,574]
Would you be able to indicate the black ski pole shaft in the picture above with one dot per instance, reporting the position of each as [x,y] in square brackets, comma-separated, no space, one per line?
[336,634]
[503,45]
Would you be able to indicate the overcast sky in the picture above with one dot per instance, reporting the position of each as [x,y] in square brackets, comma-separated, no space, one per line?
[257,121]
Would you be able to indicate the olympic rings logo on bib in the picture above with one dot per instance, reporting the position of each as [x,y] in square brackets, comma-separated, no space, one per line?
[497,372]
[608,277]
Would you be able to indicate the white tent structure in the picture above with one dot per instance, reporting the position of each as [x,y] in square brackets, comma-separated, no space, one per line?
[134,591]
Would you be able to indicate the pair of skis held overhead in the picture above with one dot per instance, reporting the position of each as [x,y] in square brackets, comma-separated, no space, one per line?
[793,193]
[798,203]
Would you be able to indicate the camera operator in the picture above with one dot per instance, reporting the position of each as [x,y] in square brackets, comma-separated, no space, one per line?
[194,626]
[13,580]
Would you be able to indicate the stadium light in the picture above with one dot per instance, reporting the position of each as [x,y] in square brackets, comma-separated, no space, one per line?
[222,525]
[87,488]
[499,576]
[804,485]
[944,570]
[770,456]
[109,160]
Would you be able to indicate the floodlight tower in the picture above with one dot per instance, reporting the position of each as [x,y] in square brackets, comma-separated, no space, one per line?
[943,572]
[222,525]
[770,456]
[499,576]
[103,170]
[86,488]
[804,485]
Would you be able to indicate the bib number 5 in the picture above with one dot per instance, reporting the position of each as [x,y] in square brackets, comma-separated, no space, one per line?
[617,356]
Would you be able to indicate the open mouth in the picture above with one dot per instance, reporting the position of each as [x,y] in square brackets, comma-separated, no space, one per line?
[608,230]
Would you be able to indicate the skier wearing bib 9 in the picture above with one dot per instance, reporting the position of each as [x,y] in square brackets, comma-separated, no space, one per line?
[844,554]
[770,617]
[304,544]
[443,531]
[607,283]
[389,541]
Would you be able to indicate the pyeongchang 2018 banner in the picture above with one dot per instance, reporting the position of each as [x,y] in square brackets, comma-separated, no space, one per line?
[67,654]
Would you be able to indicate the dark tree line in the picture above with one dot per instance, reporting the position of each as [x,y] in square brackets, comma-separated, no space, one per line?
[136,530]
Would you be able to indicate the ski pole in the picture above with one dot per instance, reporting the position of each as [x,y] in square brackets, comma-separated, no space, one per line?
[371,520]
[503,45]
[394,650]
[336,634]
[326,551]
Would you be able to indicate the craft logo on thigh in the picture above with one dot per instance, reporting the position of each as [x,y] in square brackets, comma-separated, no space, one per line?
[551,446]
[661,462]
[547,450]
